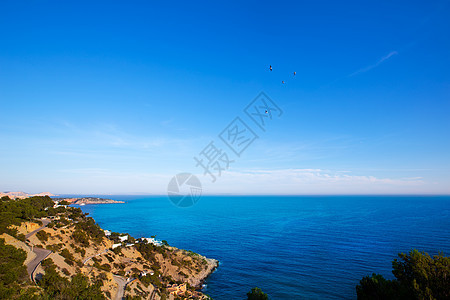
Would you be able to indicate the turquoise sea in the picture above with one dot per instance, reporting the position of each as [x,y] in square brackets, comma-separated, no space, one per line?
[291,247]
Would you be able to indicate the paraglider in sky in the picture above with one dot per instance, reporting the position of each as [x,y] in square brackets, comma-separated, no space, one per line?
[282,82]
[270,68]
[295,73]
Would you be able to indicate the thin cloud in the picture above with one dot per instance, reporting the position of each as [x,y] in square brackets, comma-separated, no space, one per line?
[311,181]
[380,61]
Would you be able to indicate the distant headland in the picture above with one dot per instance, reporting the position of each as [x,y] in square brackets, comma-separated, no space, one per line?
[87,200]
[58,200]
[23,195]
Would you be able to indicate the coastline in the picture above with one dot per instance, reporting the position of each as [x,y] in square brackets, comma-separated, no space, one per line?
[197,281]
[213,264]
[75,245]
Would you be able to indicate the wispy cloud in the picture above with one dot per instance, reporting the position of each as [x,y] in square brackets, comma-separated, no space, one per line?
[311,181]
[379,62]
[242,182]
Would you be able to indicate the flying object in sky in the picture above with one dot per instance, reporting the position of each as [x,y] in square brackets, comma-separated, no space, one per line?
[270,68]
[282,82]
[295,73]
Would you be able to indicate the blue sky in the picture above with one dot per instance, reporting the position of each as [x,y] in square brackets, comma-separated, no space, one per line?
[118,97]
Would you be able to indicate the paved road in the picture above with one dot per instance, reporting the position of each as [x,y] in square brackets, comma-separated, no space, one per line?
[41,254]
[90,257]
[44,224]
[121,282]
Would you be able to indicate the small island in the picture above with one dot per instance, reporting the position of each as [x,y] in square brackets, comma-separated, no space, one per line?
[86,200]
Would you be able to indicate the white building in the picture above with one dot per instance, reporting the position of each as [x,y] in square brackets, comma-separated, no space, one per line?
[56,205]
[123,238]
[114,246]
[153,241]
[145,273]
[107,232]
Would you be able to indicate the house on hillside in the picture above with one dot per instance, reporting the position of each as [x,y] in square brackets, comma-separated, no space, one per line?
[123,238]
[57,205]
[146,272]
[154,241]
[177,290]
[114,246]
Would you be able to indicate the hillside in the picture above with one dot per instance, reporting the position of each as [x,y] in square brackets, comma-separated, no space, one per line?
[82,262]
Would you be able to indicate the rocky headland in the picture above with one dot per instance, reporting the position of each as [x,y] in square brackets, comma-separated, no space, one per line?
[66,252]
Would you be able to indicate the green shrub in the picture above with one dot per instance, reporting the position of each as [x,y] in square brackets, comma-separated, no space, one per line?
[105,267]
[47,263]
[80,237]
[21,237]
[257,294]
[69,262]
[54,248]
[81,251]
[11,264]
[66,254]
[57,287]
[417,276]
[91,229]
[42,236]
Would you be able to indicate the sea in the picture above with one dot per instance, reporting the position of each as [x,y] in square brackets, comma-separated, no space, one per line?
[292,247]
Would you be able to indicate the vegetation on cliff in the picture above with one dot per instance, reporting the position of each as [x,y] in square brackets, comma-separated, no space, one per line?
[13,274]
[257,294]
[14,212]
[417,276]
[82,263]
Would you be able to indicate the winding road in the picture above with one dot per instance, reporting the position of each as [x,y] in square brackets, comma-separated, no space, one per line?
[44,224]
[90,257]
[121,282]
[41,254]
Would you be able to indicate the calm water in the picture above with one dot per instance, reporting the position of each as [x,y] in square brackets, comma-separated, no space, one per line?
[290,247]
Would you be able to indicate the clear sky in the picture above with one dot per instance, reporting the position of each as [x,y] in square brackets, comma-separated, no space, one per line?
[119,96]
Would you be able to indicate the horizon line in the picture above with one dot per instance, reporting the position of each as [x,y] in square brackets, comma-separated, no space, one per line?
[279,195]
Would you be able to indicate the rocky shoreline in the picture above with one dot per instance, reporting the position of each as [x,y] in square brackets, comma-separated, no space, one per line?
[213,264]
[113,265]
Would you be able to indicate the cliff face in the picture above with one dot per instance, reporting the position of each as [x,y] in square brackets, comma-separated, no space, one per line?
[135,268]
